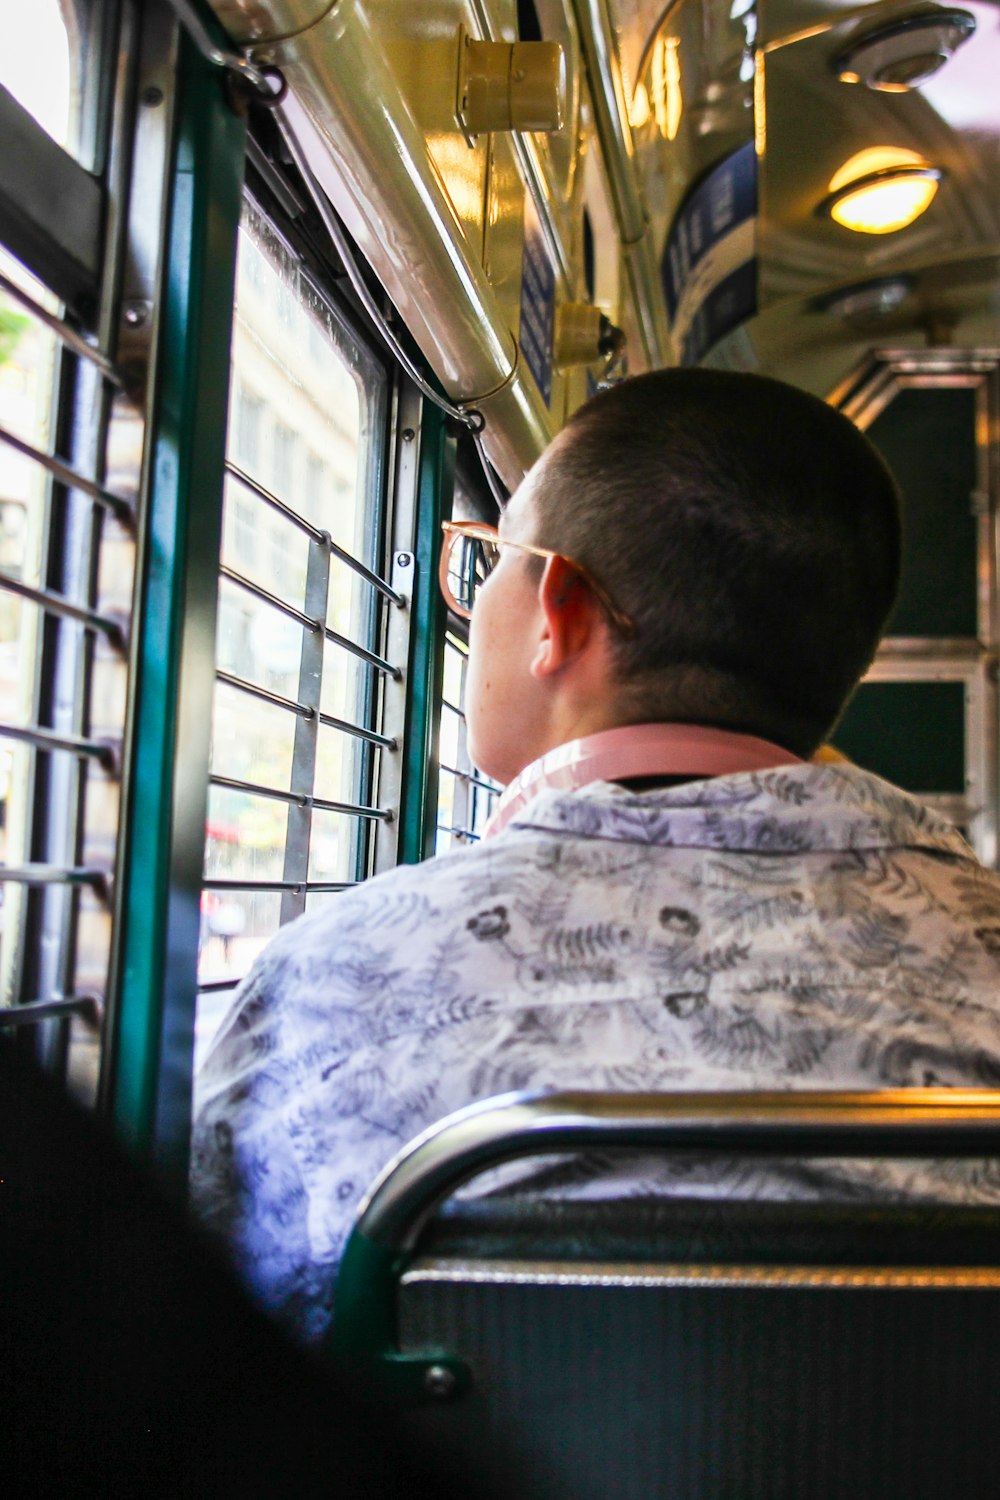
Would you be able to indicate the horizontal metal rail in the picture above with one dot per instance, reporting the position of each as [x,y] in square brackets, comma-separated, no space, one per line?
[264,694]
[73,744]
[460,833]
[472,778]
[38,874]
[265,595]
[356,566]
[378,662]
[330,721]
[69,336]
[279,885]
[121,509]
[33,1012]
[212,986]
[300,799]
[447,703]
[318,535]
[57,604]
[903,1123]
[255,486]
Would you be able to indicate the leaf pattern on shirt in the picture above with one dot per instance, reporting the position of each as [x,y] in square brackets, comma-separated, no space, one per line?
[806,927]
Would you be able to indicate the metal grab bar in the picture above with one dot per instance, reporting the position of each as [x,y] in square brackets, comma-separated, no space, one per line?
[897,1122]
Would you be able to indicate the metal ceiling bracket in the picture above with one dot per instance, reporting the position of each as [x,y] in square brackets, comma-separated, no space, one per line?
[509,86]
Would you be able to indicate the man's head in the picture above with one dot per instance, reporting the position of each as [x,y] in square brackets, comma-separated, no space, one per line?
[750,532]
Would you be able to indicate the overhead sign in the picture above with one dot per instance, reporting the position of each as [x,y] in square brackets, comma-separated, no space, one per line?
[538,301]
[710,266]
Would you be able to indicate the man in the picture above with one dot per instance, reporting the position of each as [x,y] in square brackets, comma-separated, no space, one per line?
[686,589]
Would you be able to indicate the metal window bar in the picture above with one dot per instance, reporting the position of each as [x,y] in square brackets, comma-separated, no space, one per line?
[466,834]
[293,887]
[472,778]
[329,721]
[55,604]
[49,739]
[378,662]
[383,741]
[356,566]
[69,337]
[120,508]
[32,1012]
[301,799]
[257,591]
[41,874]
[253,689]
[313,623]
[213,986]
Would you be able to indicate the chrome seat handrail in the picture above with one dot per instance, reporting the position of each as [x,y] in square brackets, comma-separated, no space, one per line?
[897,1122]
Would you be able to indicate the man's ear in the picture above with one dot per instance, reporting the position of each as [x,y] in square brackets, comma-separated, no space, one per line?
[571,617]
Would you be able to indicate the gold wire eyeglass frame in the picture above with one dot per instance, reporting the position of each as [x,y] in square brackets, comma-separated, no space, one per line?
[478,531]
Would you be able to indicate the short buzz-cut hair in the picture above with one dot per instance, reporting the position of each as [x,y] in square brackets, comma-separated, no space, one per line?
[750,531]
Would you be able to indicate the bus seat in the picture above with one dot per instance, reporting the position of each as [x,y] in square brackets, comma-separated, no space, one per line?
[691,1349]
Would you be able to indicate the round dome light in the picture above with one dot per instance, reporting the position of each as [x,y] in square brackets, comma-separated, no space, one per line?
[881,190]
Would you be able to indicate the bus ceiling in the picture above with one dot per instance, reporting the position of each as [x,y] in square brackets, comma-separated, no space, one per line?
[776,185]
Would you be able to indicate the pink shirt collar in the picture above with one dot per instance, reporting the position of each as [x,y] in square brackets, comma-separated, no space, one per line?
[694,750]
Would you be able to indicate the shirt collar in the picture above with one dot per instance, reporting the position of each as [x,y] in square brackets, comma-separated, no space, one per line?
[793,809]
[697,750]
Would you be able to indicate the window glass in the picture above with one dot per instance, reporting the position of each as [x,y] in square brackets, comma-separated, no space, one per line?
[307,413]
[50,62]
[35,67]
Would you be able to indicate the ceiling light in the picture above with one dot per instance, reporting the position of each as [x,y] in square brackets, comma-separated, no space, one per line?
[905,54]
[880,190]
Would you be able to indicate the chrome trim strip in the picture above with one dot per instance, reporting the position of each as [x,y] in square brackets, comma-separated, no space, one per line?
[681,1274]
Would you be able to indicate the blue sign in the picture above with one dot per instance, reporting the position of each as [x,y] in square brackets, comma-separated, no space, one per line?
[709,267]
[538,301]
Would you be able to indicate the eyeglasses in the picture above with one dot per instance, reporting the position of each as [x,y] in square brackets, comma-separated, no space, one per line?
[471,551]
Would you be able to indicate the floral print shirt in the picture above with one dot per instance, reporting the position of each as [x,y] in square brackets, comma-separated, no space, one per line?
[809,927]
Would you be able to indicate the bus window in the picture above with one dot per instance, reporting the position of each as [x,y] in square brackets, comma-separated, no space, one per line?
[67,548]
[296,735]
